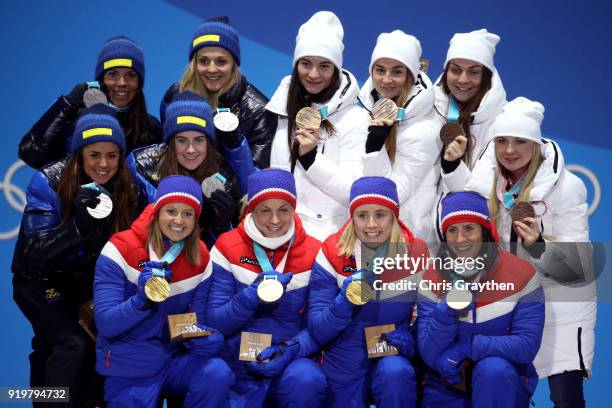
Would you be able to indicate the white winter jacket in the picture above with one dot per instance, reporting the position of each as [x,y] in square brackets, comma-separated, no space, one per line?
[416,169]
[569,337]
[323,191]
[481,128]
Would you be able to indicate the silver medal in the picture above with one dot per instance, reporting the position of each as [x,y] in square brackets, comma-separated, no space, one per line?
[226,121]
[103,209]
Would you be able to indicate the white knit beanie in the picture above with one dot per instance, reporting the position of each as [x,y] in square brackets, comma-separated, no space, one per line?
[476,46]
[320,36]
[520,118]
[399,46]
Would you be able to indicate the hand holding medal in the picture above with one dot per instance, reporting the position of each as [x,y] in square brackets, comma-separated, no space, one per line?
[307,120]
[157,287]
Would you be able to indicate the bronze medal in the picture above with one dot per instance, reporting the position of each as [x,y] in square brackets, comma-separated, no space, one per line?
[359,293]
[157,289]
[384,109]
[458,299]
[449,132]
[522,210]
[308,118]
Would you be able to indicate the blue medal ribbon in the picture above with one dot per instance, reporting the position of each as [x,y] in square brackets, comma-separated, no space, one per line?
[170,256]
[324,112]
[262,258]
[508,197]
[452,115]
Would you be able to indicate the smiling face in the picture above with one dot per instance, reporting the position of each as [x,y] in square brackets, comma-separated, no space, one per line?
[315,74]
[514,153]
[122,84]
[373,223]
[101,161]
[273,217]
[191,149]
[389,77]
[177,221]
[214,66]
[464,239]
[463,78]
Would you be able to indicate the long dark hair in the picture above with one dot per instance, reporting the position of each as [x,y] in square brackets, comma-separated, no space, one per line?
[169,165]
[466,110]
[121,188]
[298,98]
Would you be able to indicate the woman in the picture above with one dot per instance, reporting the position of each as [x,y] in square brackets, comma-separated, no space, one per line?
[405,150]
[373,231]
[269,243]
[523,166]
[325,160]
[494,336]
[59,242]
[470,93]
[189,149]
[214,73]
[120,72]
[133,348]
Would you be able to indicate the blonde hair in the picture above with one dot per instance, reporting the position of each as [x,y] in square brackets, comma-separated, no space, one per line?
[525,189]
[400,100]
[191,81]
[397,243]
[192,242]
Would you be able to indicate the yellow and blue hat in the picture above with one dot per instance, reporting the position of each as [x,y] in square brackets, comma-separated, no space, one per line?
[97,124]
[216,32]
[120,52]
[189,111]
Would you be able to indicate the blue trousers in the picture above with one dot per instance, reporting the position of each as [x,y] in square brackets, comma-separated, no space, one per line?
[566,389]
[495,383]
[390,383]
[203,382]
[302,384]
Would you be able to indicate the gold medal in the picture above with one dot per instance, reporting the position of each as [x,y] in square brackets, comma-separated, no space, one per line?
[522,210]
[385,109]
[359,293]
[458,299]
[157,289]
[308,118]
[449,132]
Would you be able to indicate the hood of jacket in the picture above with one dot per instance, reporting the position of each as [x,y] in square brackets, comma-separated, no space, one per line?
[545,179]
[345,96]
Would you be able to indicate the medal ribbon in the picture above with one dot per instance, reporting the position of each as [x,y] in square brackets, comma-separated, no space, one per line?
[263,260]
[507,198]
[170,256]
[452,115]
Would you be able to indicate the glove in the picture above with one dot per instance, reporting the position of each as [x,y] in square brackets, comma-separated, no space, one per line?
[223,207]
[376,137]
[280,356]
[449,364]
[248,297]
[87,197]
[230,139]
[75,97]
[401,339]
[208,346]
[444,314]
[342,307]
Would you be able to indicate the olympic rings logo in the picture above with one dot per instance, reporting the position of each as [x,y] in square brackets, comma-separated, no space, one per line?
[578,169]
[14,195]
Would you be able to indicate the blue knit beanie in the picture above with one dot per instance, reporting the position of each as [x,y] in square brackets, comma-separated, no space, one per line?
[189,111]
[466,206]
[271,183]
[216,32]
[97,124]
[120,52]
[178,189]
[374,190]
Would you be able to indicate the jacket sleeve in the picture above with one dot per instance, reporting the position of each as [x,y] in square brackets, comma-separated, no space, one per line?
[336,177]
[437,328]
[260,133]
[323,324]
[47,140]
[202,291]
[523,342]
[49,242]
[142,184]
[114,311]
[227,310]
[240,160]
[416,156]
[308,345]
[456,180]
